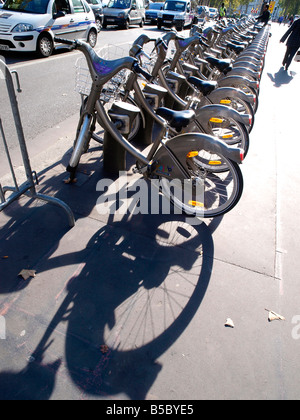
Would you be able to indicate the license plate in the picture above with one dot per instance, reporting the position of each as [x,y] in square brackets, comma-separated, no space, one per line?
[110,20]
[168,21]
[4,47]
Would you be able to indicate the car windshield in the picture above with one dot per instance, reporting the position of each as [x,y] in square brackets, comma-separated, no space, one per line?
[155,6]
[176,6]
[119,4]
[27,6]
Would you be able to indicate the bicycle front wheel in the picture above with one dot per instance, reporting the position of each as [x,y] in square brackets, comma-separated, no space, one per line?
[206,194]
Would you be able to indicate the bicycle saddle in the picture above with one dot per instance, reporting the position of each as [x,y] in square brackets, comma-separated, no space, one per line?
[236,48]
[176,119]
[224,66]
[245,37]
[205,86]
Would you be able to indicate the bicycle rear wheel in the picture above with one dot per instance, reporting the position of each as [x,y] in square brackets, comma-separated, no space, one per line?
[206,194]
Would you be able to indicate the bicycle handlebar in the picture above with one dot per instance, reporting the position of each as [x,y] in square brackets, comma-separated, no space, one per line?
[137,69]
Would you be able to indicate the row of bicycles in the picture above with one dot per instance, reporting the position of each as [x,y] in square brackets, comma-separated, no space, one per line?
[183,107]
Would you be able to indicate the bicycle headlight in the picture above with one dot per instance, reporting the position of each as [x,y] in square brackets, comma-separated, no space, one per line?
[23,27]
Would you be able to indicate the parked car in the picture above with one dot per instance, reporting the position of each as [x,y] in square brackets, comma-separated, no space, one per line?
[152,10]
[176,13]
[124,13]
[203,11]
[212,12]
[32,25]
[97,7]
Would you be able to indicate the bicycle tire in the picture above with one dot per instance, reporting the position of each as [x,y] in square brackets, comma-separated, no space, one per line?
[219,193]
[242,107]
[229,131]
[82,140]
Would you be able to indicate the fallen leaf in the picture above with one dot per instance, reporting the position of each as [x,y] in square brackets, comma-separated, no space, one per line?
[273,316]
[104,348]
[229,323]
[70,181]
[26,274]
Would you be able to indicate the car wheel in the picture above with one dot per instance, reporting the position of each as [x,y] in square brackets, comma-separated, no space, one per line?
[126,24]
[45,45]
[92,38]
[98,24]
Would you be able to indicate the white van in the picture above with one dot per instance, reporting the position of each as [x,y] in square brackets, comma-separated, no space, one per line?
[124,13]
[176,13]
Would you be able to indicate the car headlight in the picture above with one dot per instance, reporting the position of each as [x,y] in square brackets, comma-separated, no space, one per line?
[178,17]
[23,27]
[121,15]
[159,15]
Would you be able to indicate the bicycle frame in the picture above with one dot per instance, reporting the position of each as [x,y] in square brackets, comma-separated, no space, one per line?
[149,165]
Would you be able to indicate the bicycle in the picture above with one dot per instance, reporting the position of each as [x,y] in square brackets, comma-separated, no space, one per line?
[193,189]
[219,120]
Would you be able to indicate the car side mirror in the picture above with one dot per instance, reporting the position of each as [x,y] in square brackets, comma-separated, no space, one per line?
[59,14]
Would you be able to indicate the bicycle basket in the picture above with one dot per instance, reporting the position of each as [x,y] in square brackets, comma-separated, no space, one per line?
[83,81]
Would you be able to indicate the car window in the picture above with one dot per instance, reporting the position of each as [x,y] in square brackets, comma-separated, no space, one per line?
[175,6]
[61,6]
[119,4]
[155,6]
[30,6]
[78,6]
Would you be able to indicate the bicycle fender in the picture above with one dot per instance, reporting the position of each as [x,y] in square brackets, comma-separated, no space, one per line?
[219,94]
[252,66]
[244,71]
[171,159]
[236,81]
[206,113]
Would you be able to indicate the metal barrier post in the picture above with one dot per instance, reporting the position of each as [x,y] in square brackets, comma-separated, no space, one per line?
[28,187]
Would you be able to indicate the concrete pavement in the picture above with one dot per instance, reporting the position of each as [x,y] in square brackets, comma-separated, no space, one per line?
[134,306]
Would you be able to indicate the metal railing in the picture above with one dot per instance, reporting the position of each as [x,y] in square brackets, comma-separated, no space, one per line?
[8,194]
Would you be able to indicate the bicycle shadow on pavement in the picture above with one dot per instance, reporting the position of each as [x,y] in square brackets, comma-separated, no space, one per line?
[138,289]
[281,77]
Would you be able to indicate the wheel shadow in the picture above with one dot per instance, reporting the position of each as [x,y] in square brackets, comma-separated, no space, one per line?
[141,282]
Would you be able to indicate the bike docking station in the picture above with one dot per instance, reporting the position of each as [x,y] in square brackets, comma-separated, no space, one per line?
[28,187]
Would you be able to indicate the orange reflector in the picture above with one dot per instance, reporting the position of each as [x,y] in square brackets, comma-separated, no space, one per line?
[227,136]
[192,154]
[195,203]
[216,120]
[225,101]
[214,162]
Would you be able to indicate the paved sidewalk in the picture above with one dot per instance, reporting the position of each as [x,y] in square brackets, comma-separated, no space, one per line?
[134,306]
